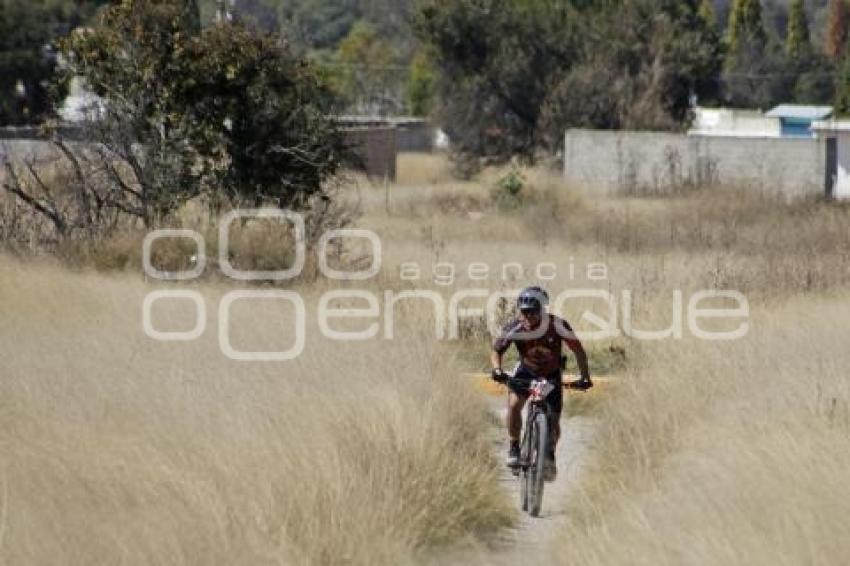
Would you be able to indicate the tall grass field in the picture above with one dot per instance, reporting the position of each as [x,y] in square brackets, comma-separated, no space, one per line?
[116,448]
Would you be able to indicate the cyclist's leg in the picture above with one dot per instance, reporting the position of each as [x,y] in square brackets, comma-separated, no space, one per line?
[516,401]
[517,396]
[555,400]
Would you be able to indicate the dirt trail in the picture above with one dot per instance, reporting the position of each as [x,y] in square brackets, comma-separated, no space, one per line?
[531,537]
[529,540]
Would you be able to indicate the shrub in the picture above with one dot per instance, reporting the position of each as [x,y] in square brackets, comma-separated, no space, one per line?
[508,194]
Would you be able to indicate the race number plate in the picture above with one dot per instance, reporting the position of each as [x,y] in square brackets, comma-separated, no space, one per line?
[540,389]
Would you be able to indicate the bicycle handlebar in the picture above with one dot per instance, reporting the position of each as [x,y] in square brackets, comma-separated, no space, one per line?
[507,379]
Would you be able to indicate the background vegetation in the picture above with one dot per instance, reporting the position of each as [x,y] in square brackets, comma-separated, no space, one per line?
[742,52]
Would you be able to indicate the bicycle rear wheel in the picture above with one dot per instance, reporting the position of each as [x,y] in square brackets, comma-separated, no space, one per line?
[537,462]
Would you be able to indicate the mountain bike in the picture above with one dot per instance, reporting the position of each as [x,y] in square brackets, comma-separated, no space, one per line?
[534,445]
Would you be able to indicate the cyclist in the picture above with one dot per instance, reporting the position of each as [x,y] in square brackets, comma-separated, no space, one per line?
[538,337]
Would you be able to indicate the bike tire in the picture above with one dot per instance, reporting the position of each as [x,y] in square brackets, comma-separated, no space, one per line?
[525,454]
[528,471]
[537,465]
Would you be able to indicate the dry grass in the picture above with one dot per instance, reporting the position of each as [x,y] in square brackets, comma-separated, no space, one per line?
[422,169]
[726,454]
[118,448]
[708,452]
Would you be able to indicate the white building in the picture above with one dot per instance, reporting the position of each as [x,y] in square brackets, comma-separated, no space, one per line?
[734,123]
[783,121]
[796,119]
[836,134]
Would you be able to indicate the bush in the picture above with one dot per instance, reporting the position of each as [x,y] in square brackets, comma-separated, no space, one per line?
[508,193]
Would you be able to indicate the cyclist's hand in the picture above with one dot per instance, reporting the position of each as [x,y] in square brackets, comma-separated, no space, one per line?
[579,384]
[498,375]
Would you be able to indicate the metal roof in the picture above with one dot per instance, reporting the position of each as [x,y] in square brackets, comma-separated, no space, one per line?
[800,112]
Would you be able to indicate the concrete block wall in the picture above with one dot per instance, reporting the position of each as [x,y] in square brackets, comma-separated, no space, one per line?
[30,143]
[20,150]
[374,146]
[655,163]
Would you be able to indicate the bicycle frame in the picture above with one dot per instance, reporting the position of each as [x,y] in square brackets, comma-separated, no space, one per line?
[536,442]
[535,406]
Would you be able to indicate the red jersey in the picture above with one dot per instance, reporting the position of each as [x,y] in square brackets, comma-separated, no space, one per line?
[540,349]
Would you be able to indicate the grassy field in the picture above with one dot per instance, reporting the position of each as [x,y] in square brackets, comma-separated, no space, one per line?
[117,448]
[726,454]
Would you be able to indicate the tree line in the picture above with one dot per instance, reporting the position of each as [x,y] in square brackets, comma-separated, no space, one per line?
[505,76]
[514,74]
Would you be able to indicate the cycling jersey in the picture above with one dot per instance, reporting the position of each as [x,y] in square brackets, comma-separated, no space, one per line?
[540,348]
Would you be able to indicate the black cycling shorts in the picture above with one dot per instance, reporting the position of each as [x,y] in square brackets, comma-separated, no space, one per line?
[555,399]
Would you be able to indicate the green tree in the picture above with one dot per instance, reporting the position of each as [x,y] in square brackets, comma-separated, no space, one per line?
[842,89]
[759,76]
[421,86]
[706,13]
[367,73]
[192,15]
[814,79]
[797,38]
[652,59]
[391,18]
[813,71]
[679,55]
[28,29]
[512,75]
[755,71]
[24,68]
[496,64]
[318,24]
[218,112]
[745,25]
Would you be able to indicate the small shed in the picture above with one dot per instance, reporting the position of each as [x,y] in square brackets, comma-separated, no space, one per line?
[796,119]
[836,134]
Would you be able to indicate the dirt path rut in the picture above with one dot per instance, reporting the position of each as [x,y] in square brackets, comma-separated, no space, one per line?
[530,539]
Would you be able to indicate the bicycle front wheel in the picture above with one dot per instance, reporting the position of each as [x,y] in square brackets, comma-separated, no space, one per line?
[525,457]
[540,443]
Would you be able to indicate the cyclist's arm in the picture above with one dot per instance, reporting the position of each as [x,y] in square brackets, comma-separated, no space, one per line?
[581,358]
[577,349]
[496,359]
[500,346]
